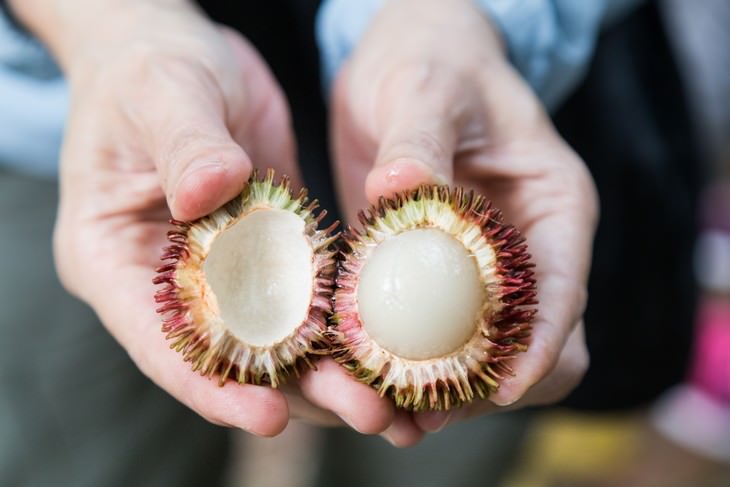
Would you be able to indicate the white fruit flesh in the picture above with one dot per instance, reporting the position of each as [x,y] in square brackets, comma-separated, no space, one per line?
[261,272]
[420,295]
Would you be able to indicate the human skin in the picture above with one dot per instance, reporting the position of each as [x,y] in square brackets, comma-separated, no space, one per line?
[170,113]
[431,98]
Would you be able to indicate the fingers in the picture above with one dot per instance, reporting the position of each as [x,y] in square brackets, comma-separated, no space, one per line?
[418,139]
[300,408]
[562,265]
[557,357]
[403,432]
[331,388]
[412,154]
[212,132]
[200,165]
[551,330]
[556,385]
[263,128]
[435,421]
[357,404]
[567,373]
[257,409]
[210,178]
[562,299]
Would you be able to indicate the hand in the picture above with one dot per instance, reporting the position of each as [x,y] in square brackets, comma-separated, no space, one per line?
[168,112]
[429,97]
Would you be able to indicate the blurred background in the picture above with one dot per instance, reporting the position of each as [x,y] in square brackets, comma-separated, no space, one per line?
[651,120]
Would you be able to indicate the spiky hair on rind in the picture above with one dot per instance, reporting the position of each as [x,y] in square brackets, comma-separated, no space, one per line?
[188,304]
[506,273]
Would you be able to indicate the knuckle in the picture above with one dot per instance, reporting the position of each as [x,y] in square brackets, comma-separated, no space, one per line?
[579,364]
[574,367]
[200,403]
[427,145]
[63,257]
[564,375]
[581,302]
[427,84]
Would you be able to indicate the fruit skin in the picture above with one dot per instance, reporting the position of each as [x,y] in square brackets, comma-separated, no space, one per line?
[188,304]
[507,276]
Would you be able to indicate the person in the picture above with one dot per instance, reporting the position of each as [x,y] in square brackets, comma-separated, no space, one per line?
[169,112]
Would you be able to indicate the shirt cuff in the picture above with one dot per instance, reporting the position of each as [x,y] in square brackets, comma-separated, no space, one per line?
[33,104]
[550,42]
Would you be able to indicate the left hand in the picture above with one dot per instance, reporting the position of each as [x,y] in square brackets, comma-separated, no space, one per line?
[169,114]
[430,98]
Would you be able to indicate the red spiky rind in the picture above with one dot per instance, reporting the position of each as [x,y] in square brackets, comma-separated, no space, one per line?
[189,308]
[507,275]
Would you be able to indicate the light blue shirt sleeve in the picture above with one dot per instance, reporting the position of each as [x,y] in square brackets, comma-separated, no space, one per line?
[33,104]
[550,42]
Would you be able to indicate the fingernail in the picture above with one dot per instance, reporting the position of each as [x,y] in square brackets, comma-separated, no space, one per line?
[405,172]
[195,168]
[441,180]
[434,422]
[348,422]
[198,195]
[393,175]
[388,438]
[506,396]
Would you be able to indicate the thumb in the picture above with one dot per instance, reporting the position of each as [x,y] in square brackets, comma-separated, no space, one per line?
[200,165]
[417,144]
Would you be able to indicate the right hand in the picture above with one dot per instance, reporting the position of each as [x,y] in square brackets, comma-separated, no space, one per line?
[169,113]
[429,97]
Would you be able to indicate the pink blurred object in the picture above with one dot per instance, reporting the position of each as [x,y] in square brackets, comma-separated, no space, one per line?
[711,363]
[689,417]
[696,414]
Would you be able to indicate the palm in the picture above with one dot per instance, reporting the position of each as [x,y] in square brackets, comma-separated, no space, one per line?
[518,162]
[546,193]
[114,217]
[114,213]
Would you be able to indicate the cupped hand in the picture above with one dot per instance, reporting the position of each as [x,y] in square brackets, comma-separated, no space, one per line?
[169,115]
[429,97]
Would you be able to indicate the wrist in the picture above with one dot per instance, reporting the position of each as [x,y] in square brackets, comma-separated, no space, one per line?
[450,31]
[74,29]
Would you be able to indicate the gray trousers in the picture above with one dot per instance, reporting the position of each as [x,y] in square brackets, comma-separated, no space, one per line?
[73,408]
[475,453]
